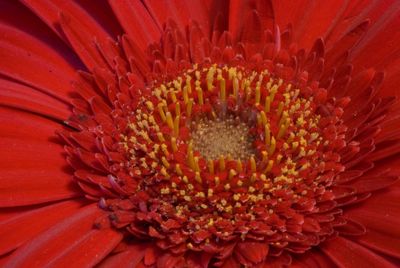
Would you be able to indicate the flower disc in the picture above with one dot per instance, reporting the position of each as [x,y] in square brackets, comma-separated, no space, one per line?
[268,181]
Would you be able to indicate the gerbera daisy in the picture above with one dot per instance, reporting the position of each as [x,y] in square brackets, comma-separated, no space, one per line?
[199,133]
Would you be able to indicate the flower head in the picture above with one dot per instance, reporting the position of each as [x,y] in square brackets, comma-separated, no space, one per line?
[199,134]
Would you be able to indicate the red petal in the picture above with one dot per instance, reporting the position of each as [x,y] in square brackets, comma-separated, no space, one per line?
[65,242]
[168,260]
[136,21]
[345,43]
[366,184]
[38,186]
[310,19]
[130,257]
[25,126]
[241,9]
[34,62]
[385,28]
[346,253]
[312,259]
[385,149]
[230,263]
[31,100]
[255,252]
[48,11]
[32,172]
[22,227]
[82,40]
[380,215]
[180,11]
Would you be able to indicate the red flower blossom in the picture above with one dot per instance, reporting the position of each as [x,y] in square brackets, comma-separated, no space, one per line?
[199,133]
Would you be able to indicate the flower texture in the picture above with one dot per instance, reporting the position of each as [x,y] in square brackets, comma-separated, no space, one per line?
[199,133]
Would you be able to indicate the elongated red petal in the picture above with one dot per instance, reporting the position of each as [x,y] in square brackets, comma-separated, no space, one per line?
[21,125]
[182,12]
[313,259]
[65,242]
[238,10]
[383,29]
[130,257]
[346,253]
[379,215]
[31,100]
[51,73]
[26,149]
[48,11]
[136,21]
[83,41]
[20,228]
[255,252]
[309,19]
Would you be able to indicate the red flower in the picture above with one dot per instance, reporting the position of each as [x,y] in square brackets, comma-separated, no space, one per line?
[199,133]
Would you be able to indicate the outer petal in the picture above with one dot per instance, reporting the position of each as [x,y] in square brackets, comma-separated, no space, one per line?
[17,229]
[238,10]
[313,259]
[32,167]
[136,21]
[20,52]
[346,253]
[130,257]
[96,18]
[380,215]
[182,12]
[309,19]
[66,241]
[26,98]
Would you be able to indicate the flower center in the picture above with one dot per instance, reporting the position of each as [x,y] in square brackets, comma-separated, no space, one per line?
[223,152]
[222,138]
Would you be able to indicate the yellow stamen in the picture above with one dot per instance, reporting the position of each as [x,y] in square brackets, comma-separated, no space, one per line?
[239,166]
[200,95]
[161,111]
[185,94]
[190,156]
[196,164]
[189,107]
[264,118]
[235,86]
[178,169]
[280,109]
[160,137]
[188,84]
[283,127]
[232,173]
[173,144]
[164,148]
[176,126]
[253,165]
[197,177]
[170,122]
[165,162]
[210,78]
[267,135]
[211,166]
[177,109]
[221,163]
[269,166]
[173,96]
[222,89]
[258,93]
[272,147]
